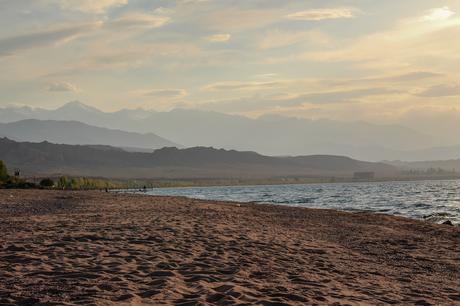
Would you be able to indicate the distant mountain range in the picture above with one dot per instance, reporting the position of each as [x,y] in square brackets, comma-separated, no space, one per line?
[101,161]
[73,132]
[269,135]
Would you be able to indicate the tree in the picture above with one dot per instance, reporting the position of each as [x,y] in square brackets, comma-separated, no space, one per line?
[3,171]
[47,183]
[63,182]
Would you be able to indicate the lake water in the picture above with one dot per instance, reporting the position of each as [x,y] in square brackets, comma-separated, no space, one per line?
[439,200]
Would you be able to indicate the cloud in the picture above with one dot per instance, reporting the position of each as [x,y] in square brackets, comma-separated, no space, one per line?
[314,64]
[338,96]
[11,45]
[411,43]
[266,76]
[451,90]
[397,78]
[163,10]
[89,6]
[241,105]
[219,38]
[278,38]
[437,14]
[276,101]
[225,86]
[193,1]
[63,87]
[413,76]
[140,20]
[165,93]
[323,14]
[234,19]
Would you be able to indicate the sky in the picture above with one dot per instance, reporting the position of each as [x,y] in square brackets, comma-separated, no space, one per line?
[377,61]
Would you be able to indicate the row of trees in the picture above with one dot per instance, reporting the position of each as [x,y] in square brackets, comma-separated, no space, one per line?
[84,183]
[430,171]
[63,182]
[78,183]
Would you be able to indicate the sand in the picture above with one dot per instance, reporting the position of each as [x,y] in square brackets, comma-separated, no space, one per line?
[94,248]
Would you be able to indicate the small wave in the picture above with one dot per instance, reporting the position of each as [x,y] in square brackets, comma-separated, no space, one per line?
[304,200]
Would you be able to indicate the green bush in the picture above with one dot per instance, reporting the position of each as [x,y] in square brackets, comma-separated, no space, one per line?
[15,183]
[46,183]
[3,172]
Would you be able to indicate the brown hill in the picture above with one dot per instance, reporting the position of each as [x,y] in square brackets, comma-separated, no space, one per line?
[52,159]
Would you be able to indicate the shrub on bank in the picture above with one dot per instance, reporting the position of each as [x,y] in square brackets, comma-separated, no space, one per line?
[47,183]
[15,183]
[3,172]
[7,181]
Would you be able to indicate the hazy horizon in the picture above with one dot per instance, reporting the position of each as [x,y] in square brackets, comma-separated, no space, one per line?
[138,130]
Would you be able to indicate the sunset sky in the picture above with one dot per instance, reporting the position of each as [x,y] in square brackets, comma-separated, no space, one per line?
[379,61]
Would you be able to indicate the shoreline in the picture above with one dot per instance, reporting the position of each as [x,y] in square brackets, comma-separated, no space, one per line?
[289,181]
[107,249]
[289,184]
[443,218]
[222,182]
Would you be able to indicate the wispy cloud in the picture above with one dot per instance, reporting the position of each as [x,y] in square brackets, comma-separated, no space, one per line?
[219,37]
[323,14]
[403,78]
[413,42]
[89,6]
[442,13]
[341,96]
[444,90]
[140,20]
[234,19]
[193,1]
[278,38]
[231,86]
[63,87]
[53,36]
[164,93]
[263,102]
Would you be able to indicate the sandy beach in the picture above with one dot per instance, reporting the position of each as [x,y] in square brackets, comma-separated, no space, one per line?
[96,248]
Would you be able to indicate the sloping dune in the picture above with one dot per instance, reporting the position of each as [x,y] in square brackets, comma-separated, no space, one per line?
[96,248]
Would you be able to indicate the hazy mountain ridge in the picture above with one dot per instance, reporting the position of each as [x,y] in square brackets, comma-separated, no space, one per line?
[270,135]
[50,159]
[73,132]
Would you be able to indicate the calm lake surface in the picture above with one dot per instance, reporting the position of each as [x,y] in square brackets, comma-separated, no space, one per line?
[437,201]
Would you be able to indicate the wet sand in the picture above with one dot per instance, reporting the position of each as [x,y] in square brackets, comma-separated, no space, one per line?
[95,248]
